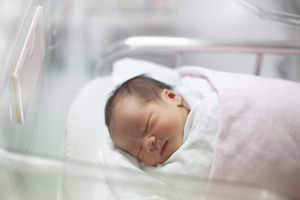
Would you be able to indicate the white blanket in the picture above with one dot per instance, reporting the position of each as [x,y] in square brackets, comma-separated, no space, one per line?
[193,159]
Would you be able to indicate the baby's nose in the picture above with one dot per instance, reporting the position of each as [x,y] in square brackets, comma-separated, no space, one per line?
[150,143]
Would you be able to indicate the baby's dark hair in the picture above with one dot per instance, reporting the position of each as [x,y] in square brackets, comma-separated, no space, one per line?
[144,88]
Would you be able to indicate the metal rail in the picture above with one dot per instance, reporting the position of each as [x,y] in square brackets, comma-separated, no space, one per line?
[269,14]
[178,46]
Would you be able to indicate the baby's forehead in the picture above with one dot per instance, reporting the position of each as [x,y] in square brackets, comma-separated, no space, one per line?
[126,99]
[126,107]
[126,119]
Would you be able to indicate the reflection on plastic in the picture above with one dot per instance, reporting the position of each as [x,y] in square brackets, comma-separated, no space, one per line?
[28,66]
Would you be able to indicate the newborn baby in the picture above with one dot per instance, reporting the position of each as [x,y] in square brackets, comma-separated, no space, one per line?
[146,119]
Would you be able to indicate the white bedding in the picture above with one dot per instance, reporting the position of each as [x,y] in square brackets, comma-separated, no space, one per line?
[236,107]
[87,139]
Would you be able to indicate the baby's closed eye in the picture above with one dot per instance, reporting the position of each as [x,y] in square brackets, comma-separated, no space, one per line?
[148,124]
[139,153]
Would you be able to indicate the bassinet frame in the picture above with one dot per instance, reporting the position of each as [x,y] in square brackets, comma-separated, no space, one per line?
[179,46]
[68,169]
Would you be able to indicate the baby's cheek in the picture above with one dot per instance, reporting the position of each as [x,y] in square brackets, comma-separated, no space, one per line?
[168,128]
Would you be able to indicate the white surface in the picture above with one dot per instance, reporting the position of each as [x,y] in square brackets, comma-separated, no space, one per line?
[129,67]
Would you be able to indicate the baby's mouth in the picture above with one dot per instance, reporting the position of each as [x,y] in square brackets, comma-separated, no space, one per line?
[164,148]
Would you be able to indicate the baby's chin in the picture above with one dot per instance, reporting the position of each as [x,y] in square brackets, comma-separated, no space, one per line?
[158,161]
[154,163]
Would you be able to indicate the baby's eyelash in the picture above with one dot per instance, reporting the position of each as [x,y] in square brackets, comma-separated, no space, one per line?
[148,124]
[147,127]
[138,156]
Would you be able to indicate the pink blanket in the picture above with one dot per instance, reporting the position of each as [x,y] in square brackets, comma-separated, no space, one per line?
[258,137]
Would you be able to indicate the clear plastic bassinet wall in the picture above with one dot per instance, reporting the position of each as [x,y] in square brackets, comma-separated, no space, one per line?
[32,110]
[48,52]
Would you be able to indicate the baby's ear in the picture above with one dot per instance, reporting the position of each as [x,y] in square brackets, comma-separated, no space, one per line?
[169,95]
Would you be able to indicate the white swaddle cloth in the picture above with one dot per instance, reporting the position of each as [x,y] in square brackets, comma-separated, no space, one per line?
[194,157]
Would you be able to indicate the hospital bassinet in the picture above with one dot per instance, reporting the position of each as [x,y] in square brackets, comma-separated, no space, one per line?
[29,175]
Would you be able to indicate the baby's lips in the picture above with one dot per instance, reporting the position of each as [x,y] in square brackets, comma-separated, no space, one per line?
[164,148]
[160,150]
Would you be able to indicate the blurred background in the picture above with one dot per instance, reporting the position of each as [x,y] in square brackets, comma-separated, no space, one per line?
[77,32]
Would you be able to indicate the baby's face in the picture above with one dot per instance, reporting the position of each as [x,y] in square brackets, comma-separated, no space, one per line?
[151,132]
